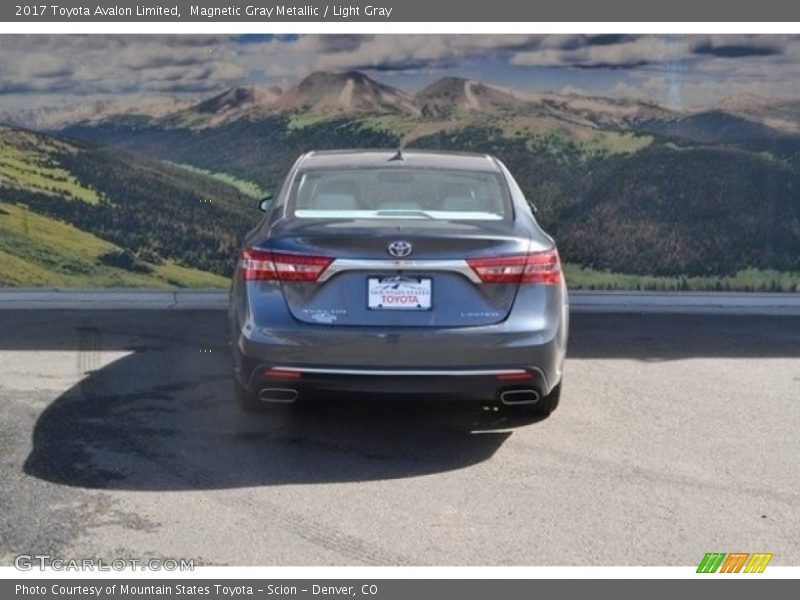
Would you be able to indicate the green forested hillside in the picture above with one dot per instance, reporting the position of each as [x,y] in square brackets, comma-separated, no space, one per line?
[615,202]
[27,161]
[36,250]
[688,211]
[665,210]
[80,214]
[260,151]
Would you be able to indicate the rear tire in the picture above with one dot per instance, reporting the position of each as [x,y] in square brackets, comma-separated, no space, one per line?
[542,408]
[246,399]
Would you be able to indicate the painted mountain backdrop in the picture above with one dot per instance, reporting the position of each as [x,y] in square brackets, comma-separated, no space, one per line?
[161,192]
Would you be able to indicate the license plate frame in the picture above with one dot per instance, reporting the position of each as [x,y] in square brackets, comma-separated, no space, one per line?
[408,293]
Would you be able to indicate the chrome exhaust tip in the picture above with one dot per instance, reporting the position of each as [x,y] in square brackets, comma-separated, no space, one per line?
[279,395]
[516,397]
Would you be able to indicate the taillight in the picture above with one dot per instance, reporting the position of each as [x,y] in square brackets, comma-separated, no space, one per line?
[539,267]
[281,374]
[272,266]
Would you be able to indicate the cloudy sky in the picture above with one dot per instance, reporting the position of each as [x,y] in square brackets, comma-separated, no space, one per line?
[676,71]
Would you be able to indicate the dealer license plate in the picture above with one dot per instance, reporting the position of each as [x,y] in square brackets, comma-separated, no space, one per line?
[399,293]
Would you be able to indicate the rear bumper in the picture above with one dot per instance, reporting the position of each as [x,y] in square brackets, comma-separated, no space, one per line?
[462,361]
[465,362]
[460,384]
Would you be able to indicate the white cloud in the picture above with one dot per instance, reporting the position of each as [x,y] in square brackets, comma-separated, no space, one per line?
[86,65]
[674,70]
[626,53]
[311,53]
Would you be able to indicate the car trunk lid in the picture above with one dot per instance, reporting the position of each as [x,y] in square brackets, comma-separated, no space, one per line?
[363,284]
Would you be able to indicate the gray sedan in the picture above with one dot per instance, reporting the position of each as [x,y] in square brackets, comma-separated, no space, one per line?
[399,273]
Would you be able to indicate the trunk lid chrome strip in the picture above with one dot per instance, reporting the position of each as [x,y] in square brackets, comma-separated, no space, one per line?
[341,265]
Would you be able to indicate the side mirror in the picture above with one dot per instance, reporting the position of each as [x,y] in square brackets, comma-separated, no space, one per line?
[265,201]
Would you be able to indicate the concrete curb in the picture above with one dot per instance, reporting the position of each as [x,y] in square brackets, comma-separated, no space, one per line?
[736,303]
[112,299]
[580,301]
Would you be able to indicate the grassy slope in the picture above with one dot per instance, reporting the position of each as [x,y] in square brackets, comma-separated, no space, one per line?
[409,129]
[747,280]
[40,251]
[246,187]
[42,245]
[26,162]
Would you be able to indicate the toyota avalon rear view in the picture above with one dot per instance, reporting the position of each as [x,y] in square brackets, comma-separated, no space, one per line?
[413,272]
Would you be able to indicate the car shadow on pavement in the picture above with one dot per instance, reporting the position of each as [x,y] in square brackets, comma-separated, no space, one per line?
[163,417]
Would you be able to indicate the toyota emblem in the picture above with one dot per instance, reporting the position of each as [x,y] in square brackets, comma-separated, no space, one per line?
[399,249]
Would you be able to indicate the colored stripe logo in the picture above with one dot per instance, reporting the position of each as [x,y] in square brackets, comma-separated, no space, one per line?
[734,562]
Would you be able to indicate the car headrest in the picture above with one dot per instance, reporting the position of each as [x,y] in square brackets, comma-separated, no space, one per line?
[462,203]
[333,201]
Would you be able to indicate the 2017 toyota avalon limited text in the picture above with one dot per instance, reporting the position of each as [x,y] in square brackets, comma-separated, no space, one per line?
[411,272]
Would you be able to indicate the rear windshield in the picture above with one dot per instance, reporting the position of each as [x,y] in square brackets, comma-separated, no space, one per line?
[399,193]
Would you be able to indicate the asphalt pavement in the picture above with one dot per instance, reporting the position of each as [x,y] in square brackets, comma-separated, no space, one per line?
[677,435]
